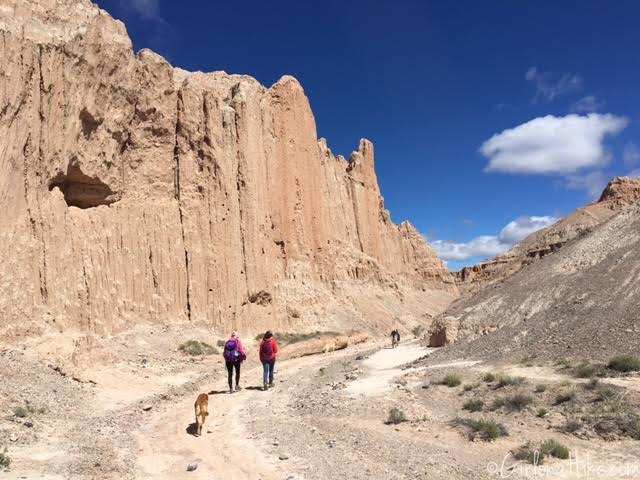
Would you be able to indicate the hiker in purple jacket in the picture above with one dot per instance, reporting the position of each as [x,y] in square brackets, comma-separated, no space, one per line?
[234,355]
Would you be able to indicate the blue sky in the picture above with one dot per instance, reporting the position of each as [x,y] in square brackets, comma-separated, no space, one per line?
[490,118]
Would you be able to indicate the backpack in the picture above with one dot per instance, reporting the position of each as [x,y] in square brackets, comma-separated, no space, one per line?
[266,349]
[231,353]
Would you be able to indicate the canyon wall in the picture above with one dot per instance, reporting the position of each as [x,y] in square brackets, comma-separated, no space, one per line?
[133,191]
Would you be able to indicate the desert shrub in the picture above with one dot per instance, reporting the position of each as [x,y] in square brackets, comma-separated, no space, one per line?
[536,454]
[470,386]
[529,453]
[451,380]
[473,405]
[542,412]
[289,338]
[5,460]
[508,381]
[592,384]
[555,449]
[220,343]
[518,402]
[486,429]
[20,412]
[488,377]
[196,348]
[497,403]
[565,396]
[396,416]
[611,426]
[624,363]
[585,370]
[571,426]
[564,363]
[541,387]
[418,330]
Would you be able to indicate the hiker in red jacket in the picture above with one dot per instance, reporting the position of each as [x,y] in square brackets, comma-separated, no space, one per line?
[268,350]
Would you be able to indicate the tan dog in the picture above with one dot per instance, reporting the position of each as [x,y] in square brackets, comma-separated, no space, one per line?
[201,408]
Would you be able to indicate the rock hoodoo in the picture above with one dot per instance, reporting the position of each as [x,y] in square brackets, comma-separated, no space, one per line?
[134,191]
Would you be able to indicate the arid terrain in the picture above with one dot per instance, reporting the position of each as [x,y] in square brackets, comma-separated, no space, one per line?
[149,211]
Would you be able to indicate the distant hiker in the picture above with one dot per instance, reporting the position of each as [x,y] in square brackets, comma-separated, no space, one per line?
[233,357]
[395,338]
[268,350]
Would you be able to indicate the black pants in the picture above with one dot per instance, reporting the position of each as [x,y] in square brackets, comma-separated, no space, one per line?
[230,367]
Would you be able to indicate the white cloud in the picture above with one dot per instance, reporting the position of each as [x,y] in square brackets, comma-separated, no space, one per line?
[522,227]
[148,9]
[549,87]
[552,145]
[487,246]
[587,104]
[631,154]
[593,183]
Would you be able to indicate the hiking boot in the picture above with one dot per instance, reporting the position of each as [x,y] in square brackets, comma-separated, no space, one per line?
[238,388]
[230,389]
[264,388]
[271,385]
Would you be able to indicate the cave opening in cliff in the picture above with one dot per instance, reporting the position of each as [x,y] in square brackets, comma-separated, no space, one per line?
[81,190]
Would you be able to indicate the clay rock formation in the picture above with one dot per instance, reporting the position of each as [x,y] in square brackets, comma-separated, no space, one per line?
[442,332]
[581,302]
[620,193]
[133,191]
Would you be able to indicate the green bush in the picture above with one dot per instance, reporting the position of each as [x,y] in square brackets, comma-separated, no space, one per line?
[529,453]
[565,396]
[508,381]
[487,429]
[585,370]
[536,455]
[470,386]
[624,363]
[518,402]
[396,416]
[488,377]
[20,412]
[196,348]
[571,426]
[542,412]
[5,460]
[288,338]
[497,403]
[541,387]
[451,380]
[473,405]
[554,449]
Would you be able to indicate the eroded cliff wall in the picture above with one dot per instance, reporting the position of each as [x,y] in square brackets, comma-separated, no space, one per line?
[132,191]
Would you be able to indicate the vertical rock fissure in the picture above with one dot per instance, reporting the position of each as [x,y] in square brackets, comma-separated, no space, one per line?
[43,275]
[240,186]
[356,216]
[176,180]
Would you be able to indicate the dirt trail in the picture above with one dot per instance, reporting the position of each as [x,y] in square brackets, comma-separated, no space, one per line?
[383,366]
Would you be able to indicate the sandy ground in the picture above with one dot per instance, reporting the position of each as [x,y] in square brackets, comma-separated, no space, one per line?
[324,419]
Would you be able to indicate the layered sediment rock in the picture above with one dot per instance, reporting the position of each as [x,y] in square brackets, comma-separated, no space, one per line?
[619,194]
[132,191]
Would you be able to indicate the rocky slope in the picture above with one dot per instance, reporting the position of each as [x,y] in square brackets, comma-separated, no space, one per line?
[582,301]
[132,191]
[619,194]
